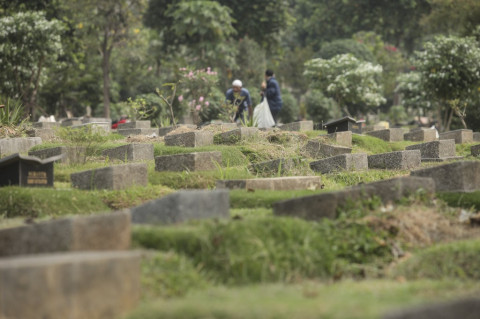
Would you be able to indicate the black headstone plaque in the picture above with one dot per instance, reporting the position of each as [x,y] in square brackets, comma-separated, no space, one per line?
[344,124]
[27,171]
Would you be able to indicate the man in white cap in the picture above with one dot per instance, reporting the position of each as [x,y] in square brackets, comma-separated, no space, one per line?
[240,98]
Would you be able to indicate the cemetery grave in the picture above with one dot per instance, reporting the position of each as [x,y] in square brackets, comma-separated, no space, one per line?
[222,217]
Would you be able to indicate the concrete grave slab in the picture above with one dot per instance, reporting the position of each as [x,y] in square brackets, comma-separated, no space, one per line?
[44,133]
[388,135]
[277,183]
[299,126]
[275,166]
[341,138]
[17,145]
[426,135]
[98,232]
[107,120]
[190,139]
[435,150]
[463,176]
[46,124]
[113,177]
[475,150]
[476,136]
[138,131]
[460,136]
[348,162]
[95,127]
[71,154]
[395,160]
[165,130]
[317,149]
[135,124]
[183,206]
[236,135]
[94,285]
[131,152]
[200,161]
[70,122]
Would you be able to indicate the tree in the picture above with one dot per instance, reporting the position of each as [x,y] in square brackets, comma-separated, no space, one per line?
[413,95]
[349,81]
[344,46]
[459,17]
[450,69]
[28,44]
[320,108]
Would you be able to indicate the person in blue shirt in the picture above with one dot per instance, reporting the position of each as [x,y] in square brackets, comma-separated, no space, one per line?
[240,98]
[271,90]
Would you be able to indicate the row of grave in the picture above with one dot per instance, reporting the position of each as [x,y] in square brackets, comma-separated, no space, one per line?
[81,268]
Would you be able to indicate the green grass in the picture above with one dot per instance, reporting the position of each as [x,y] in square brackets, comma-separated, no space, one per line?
[264,198]
[464,150]
[465,200]
[372,145]
[308,300]
[231,155]
[339,180]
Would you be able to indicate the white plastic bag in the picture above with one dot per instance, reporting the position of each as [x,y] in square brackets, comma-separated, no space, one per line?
[262,117]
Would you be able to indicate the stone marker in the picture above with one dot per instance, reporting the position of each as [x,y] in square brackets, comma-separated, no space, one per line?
[134,124]
[475,150]
[342,138]
[183,206]
[436,150]
[98,232]
[165,130]
[388,135]
[113,177]
[476,136]
[426,135]
[190,139]
[460,136]
[236,135]
[299,126]
[280,165]
[349,162]
[131,152]
[327,205]
[201,161]
[46,124]
[95,127]
[461,176]
[464,309]
[138,131]
[71,154]
[107,120]
[94,285]
[70,122]
[317,149]
[276,183]
[43,133]
[17,145]
[395,160]
[224,126]
[27,171]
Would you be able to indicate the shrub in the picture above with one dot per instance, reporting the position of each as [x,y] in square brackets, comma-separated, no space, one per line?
[290,109]
[321,108]
[344,46]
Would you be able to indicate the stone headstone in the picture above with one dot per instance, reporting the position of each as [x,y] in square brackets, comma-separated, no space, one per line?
[475,150]
[436,150]
[275,166]
[200,161]
[460,136]
[95,127]
[476,136]
[138,131]
[71,121]
[71,154]
[27,171]
[190,139]
[134,124]
[183,206]
[347,162]
[99,232]
[131,152]
[300,126]
[46,124]
[92,285]
[236,135]
[165,130]
[107,120]
[465,309]
[17,145]
[223,126]
[395,160]
[43,133]
[463,176]
[113,177]
[317,149]
[341,138]
[276,183]
[388,135]
[426,135]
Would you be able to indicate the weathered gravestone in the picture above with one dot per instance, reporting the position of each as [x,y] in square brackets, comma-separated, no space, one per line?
[71,121]
[167,129]
[134,124]
[43,133]
[94,285]
[299,126]
[388,135]
[276,183]
[436,151]
[476,136]
[183,206]
[200,161]
[113,177]
[461,176]
[71,154]
[99,232]
[422,135]
[87,120]
[395,160]
[131,152]
[341,138]
[348,162]
[46,124]
[464,309]
[344,124]
[236,135]
[190,139]
[275,166]
[328,205]
[460,136]
[17,145]
[475,150]
[138,131]
[27,171]
[317,149]
[95,127]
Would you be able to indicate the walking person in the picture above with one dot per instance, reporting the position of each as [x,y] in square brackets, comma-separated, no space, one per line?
[271,91]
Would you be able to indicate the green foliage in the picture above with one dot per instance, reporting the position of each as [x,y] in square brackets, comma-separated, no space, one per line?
[347,80]
[466,200]
[321,108]
[87,136]
[453,17]
[11,112]
[397,114]
[345,46]
[290,110]
[264,198]
[413,95]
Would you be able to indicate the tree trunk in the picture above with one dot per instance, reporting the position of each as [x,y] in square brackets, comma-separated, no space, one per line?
[105,50]
[450,116]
